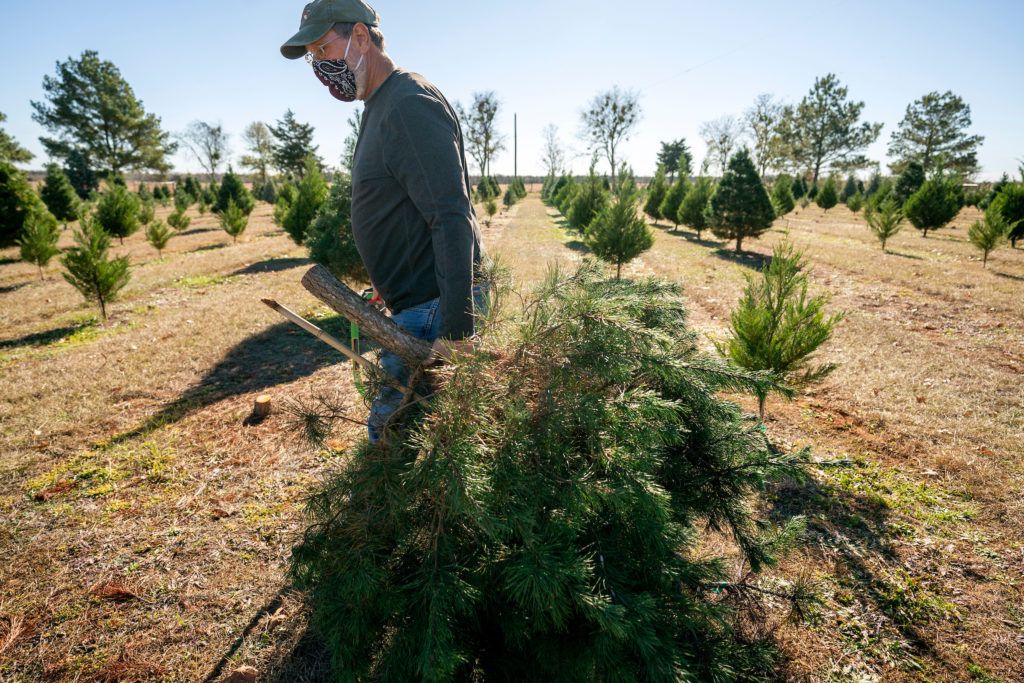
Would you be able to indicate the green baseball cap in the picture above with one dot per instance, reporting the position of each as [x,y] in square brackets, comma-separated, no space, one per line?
[319,16]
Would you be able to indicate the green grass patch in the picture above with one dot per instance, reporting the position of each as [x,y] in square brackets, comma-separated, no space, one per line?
[202,281]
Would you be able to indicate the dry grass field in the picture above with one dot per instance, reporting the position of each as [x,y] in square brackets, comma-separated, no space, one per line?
[145,531]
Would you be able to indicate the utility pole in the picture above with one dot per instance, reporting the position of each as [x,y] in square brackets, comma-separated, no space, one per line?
[515,151]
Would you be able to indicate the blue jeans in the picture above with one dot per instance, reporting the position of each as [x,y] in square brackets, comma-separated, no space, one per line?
[424,322]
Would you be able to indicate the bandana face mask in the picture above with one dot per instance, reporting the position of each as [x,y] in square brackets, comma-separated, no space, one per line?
[335,74]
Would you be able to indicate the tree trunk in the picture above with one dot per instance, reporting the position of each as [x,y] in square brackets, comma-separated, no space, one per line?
[618,271]
[739,245]
[322,284]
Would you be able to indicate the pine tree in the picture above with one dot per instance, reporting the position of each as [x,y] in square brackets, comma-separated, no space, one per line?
[538,519]
[740,206]
[146,212]
[490,208]
[694,209]
[80,174]
[589,200]
[855,203]
[292,146]
[178,220]
[563,200]
[782,195]
[909,182]
[285,198]
[193,188]
[776,327]
[885,219]
[617,234]
[90,270]
[509,199]
[1009,203]
[673,198]
[799,187]
[158,236]
[519,188]
[232,190]
[934,205]
[312,193]
[330,239]
[849,189]
[233,219]
[827,196]
[988,234]
[555,188]
[58,195]
[144,194]
[118,212]
[38,241]
[874,184]
[656,192]
[17,201]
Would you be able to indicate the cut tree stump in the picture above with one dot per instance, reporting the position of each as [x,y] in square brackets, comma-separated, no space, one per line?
[260,410]
[322,284]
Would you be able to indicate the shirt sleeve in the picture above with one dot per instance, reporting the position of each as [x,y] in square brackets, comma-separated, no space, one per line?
[424,158]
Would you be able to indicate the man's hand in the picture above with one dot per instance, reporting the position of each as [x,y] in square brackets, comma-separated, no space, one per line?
[444,349]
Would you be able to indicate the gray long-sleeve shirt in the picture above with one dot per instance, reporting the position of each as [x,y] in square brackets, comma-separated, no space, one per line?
[412,219]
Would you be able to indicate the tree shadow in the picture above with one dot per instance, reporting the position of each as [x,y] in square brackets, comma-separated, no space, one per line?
[692,237]
[208,247]
[903,255]
[749,259]
[854,530]
[307,659]
[45,337]
[196,231]
[1011,276]
[578,246]
[273,265]
[5,260]
[4,289]
[279,354]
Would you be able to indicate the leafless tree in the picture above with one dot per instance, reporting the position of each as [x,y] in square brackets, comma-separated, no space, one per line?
[208,144]
[479,131]
[762,120]
[721,136]
[553,157]
[610,118]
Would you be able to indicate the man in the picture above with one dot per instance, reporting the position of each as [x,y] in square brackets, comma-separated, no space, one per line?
[412,219]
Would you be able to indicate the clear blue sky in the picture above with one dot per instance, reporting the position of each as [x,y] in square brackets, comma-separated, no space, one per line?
[690,62]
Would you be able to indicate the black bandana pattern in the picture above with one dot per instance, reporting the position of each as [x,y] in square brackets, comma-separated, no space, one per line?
[339,79]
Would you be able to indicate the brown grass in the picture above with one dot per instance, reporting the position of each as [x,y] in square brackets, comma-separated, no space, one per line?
[146,532]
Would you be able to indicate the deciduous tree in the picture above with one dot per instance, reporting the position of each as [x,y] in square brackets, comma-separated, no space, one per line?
[208,143]
[479,129]
[610,119]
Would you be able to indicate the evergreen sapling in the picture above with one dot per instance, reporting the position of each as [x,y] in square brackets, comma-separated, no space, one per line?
[89,268]
[934,205]
[59,196]
[694,209]
[38,241]
[158,235]
[827,197]
[618,235]
[117,212]
[1009,203]
[656,195]
[740,207]
[988,234]
[885,219]
[782,195]
[233,220]
[673,199]
[312,193]
[776,327]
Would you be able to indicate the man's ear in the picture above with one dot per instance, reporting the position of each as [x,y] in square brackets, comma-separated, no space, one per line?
[361,35]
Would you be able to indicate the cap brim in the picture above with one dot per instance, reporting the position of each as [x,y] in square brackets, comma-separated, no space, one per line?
[295,46]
